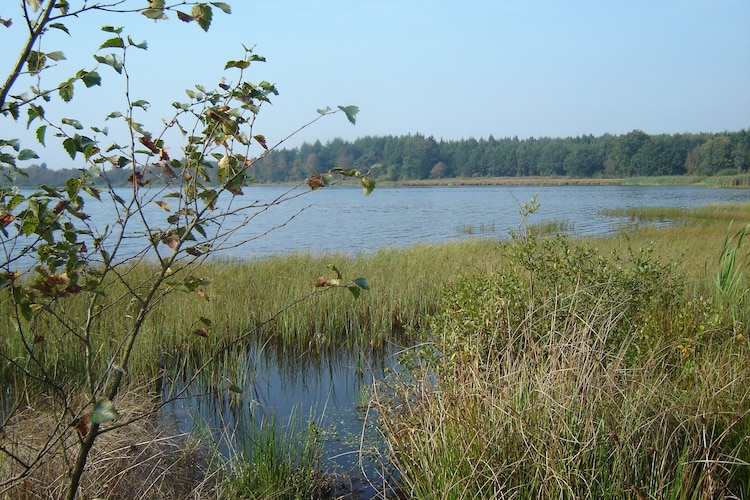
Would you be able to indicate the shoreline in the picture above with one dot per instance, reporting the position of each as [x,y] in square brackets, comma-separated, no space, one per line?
[729,181]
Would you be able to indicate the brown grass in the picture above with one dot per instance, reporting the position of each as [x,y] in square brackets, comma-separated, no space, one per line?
[142,460]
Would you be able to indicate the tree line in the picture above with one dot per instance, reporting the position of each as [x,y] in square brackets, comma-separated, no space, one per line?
[413,157]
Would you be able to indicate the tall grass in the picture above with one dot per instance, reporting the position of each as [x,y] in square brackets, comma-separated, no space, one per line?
[279,462]
[274,303]
[573,375]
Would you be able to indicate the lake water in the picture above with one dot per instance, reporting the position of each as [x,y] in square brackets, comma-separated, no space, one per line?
[344,220]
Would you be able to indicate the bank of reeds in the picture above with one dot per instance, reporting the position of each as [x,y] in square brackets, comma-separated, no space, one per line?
[575,374]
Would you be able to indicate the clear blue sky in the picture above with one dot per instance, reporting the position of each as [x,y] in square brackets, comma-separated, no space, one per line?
[526,68]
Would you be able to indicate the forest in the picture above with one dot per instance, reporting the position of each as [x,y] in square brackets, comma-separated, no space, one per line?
[416,157]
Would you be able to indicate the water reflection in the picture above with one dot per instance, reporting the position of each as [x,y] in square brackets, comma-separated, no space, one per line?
[260,386]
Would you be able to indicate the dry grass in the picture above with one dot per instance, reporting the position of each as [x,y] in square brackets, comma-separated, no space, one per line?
[146,459]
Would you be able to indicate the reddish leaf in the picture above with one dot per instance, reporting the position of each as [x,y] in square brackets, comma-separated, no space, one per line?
[185,18]
[60,207]
[164,154]
[202,294]
[321,282]
[164,205]
[201,332]
[10,275]
[315,181]
[171,240]
[38,339]
[223,84]
[168,170]
[137,177]
[194,251]
[81,424]
[261,140]
[149,144]
[6,219]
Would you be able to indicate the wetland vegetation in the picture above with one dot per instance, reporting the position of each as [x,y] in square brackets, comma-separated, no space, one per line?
[596,367]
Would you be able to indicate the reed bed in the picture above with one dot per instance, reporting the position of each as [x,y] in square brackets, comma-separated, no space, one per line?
[587,370]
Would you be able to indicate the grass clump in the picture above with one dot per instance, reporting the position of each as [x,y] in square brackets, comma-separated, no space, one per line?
[573,375]
[280,462]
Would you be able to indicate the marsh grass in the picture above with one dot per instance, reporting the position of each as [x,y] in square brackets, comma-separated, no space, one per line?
[280,461]
[556,366]
[573,375]
[273,303]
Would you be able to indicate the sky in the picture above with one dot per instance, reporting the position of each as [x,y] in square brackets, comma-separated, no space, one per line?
[447,69]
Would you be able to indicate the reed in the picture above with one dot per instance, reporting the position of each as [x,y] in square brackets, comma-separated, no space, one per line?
[279,462]
[574,374]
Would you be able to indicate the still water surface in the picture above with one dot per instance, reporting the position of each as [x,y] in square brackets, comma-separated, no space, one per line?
[344,220]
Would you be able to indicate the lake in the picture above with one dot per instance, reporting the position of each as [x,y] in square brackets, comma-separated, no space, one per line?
[342,219]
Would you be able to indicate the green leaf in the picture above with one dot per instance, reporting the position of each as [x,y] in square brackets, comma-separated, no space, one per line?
[367,185]
[235,388]
[155,14]
[35,61]
[237,64]
[56,56]
[350,112]
[355,291]
[141,103]
[113,42]
[143,45]
[223,6]
[335,269]
[63,6]
[111,60]
[66,91]
[193,94]
[91,78]
[34,112]
[202,13]
[29,225]
[92,191]
[33,4]
[362,283]
[60,26]
[104,411]
[40,134]
[70,146]
[27,154]
[112,29]
[73,123]
[324,111]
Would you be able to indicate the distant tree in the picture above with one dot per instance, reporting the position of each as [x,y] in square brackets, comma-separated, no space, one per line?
[584,161]
[439,170]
